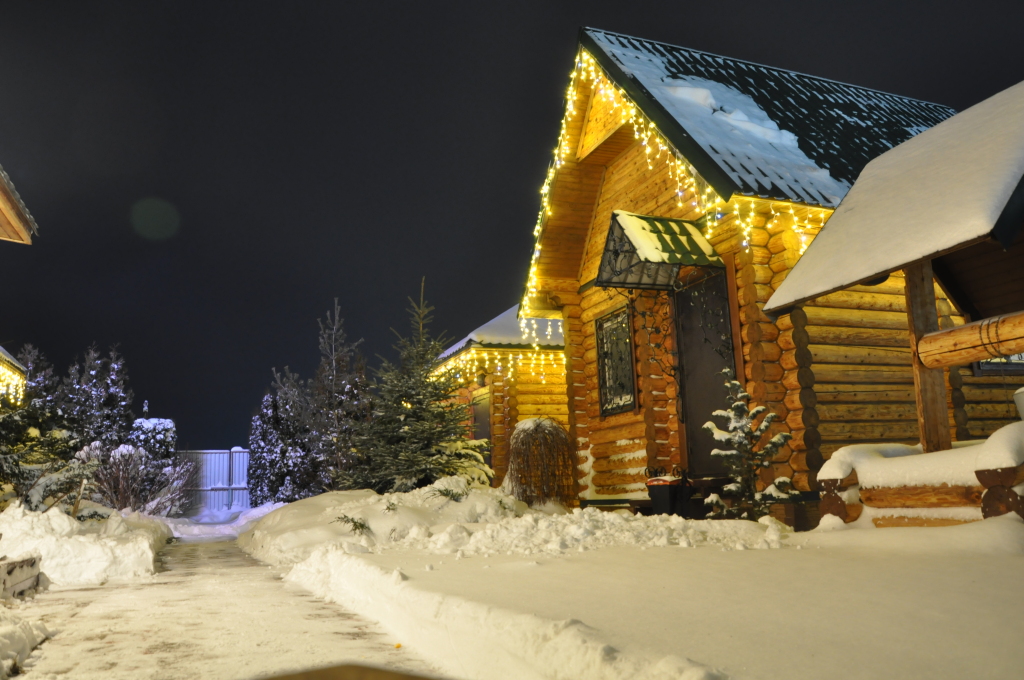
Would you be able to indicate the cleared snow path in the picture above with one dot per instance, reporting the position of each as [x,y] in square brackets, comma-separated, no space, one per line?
[212,612]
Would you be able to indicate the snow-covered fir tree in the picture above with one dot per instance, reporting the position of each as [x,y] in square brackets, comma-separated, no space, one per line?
[96,398]
[746,457]
[417,432]
[305,429]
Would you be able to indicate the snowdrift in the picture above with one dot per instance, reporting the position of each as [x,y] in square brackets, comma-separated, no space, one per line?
[323,538]
[17,640]
[83,553]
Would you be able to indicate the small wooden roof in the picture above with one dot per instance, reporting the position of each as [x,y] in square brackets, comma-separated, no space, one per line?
[957,186]
[16,222]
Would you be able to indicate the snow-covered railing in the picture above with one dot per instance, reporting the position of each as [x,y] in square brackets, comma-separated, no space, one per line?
[898,485]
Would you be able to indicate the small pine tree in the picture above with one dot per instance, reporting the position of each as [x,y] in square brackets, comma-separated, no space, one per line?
[416,431]
[264,453]
[744,460]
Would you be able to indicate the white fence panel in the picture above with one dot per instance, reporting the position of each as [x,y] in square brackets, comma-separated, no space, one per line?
[221,481]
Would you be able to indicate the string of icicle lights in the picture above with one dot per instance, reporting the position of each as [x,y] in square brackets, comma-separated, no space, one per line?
[12,384]
[690,187]
[508,363]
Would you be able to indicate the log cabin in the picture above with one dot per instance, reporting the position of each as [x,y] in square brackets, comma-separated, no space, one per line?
[967,244]
[16,222]
[17,225]
[684,188]
[509,369]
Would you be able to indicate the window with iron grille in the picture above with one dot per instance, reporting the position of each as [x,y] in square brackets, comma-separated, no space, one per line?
[615,366]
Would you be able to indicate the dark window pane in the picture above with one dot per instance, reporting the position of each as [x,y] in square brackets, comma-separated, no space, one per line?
[615,365]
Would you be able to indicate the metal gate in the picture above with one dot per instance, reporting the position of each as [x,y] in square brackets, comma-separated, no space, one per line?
[221,480]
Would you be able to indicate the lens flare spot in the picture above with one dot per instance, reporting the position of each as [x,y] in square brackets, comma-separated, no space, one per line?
[155,219]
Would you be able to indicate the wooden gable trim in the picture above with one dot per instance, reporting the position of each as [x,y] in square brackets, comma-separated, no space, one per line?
[12,222]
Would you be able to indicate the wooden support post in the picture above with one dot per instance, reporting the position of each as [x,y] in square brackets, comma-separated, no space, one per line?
[929,383]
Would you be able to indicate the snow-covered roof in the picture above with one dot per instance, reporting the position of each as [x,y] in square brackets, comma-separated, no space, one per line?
[659,239]
[505,330]
[643,251]
[946,187]
[757,130]
[8,358]
[30,221]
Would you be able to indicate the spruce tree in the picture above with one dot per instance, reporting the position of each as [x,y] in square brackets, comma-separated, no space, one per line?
[96,400]
[417,433]
[747,457]
[304,431]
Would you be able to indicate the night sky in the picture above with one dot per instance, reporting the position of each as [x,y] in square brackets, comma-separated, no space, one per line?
[208,176]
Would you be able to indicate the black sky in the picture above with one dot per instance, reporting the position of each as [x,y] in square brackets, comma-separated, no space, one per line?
[337,149]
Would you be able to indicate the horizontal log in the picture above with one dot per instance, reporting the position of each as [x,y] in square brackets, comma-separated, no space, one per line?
[943,496]
[612,434]
[862,301]
[617,478]
[995,337]
[805,440]
[805,481]
[897,521]
[976,393]
[769,331]
[608,449]
[829,393]
[854,318]
[799,378]
[802,398]
[543,409]
[800,357]
[793,338]
[773,372]
[803,418]
[868,411]
[990,410]
[535,399]
[852,432]
[875,356]
[804,461]
[846,335]
[845,373]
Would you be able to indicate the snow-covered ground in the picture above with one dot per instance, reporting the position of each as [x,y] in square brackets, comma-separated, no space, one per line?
[217,524]
[210,612]
[83,553]
[485,588]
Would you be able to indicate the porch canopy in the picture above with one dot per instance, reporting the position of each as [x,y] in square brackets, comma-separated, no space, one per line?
[647,252]
[954,186]
[948,203]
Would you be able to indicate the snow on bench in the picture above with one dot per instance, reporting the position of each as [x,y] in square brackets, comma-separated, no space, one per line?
[898,485]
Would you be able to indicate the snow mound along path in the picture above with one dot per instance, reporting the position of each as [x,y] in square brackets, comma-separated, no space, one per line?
[18,638]
[475,640]
[83,553]
[453,517]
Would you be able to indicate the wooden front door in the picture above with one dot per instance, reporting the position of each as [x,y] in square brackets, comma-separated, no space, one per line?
[704,332]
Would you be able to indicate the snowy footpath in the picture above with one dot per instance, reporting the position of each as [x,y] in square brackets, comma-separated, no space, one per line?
[211,612]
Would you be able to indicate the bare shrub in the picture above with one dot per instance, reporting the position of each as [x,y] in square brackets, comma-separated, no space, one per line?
[128,478]
[541,464]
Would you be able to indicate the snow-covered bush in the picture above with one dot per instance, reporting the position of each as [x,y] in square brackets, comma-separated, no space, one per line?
[745,458]
[157,436]
[130,478]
